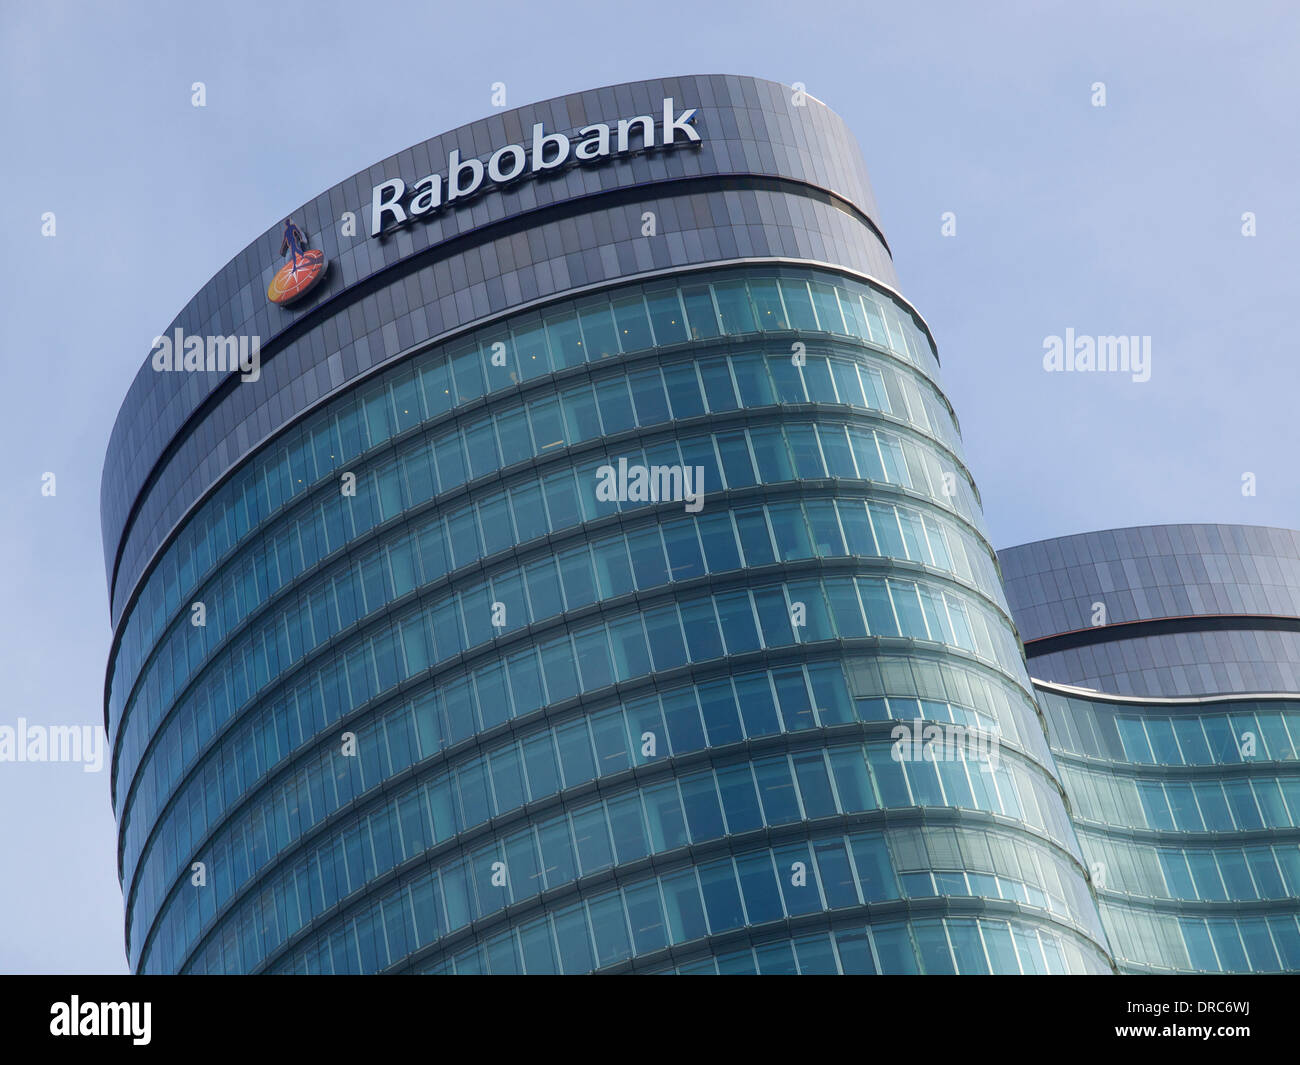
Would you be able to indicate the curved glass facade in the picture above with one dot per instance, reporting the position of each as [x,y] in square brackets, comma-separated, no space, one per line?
[1188,813]
[1169,661]
[454,707]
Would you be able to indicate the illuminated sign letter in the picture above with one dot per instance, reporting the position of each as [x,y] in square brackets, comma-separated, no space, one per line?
[379,204]
[455,168]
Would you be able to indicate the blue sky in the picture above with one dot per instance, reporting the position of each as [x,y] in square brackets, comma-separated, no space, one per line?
[1123,219]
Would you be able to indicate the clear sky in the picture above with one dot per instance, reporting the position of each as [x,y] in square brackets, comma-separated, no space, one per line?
[1123,219]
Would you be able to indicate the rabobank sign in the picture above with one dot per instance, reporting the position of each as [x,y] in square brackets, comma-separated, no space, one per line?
[392,204]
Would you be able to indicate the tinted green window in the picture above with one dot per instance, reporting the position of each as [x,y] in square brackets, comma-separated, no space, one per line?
[666,316]
[718,387]
[767,303]
[565,339]
[701,317]
[600,338]
[734,308]
[633,325]
[684,390]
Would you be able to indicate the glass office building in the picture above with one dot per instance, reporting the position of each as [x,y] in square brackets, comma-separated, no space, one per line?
[397,687]
[585,576]
[1168,660]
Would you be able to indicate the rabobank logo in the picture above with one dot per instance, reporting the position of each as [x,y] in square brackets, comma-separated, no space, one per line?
[302,272]
[392,204]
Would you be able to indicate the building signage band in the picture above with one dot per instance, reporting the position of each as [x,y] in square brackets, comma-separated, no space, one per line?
[392,205]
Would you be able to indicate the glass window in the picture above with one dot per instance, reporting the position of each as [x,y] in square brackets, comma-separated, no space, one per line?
[845,609]
[615,405]
[772,455]
[839,456]
[798,304]
[776,790]
[529,510]
[753,381]
[646,912]
[816,618]
[807,455]
[773,616]
[790,530]
[700,313]
[851,780]
[580,417]
[576,759]
[767,302]
[754,536]
[631,658]
[685,909]
[829,319]
[565,339]
[847,383]
[525,681]
[648,394]
[786,380]
[1241,799]
[891,454]
[1265,872]
[877,325]
[573,940]
[531,351]
[758,884]
[665,636]
[593,657]
[734,310]
[857,528]
[666,316]
[664,816]
[598,332]
[610,929]
[737,618]
[880,614]
[851,308]
[684,390]
[817,380]
[435,380]
[558,667]
[1236,877]
[703,639]
[467,367]
[870,468]
[591,838]
[613,571]
[718,386]
[516,444]
[719,539]
[547,423]
[814,785]
[737,464]
[499,362]
[633,325]
[627,823]
[700,801]
[721,718]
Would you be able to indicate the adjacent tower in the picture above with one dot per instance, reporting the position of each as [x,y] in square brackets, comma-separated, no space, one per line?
[1169,658]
